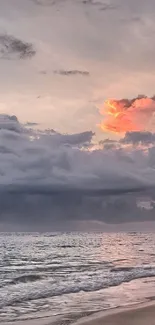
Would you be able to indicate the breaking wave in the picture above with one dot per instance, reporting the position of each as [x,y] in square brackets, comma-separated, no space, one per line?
[32,287]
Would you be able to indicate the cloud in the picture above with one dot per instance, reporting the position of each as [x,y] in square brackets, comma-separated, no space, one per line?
[109,144]
[107,7]
[124,209]
[43,72]
[45,2]
[128,115]
[8,122]
[30,124]
[142,137]
[71,72]
[57,139]
[136,140]
[103,6]
[75,139]
[52,178]
[94,3]
[12,47]
[57,212]
[134,19]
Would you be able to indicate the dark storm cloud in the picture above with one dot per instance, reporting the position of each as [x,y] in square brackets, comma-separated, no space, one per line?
[36,211]
[10,46]
[48,177]
[71,72]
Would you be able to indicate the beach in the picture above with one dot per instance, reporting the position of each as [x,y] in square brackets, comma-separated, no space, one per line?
[61,278]
[138,315]
[141,314]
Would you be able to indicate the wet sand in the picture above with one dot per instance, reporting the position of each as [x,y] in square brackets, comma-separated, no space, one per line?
[142,314]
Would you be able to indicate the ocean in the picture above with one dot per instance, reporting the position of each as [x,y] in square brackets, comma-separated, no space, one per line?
[65,276]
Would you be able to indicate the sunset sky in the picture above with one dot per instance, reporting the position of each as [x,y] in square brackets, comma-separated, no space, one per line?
[84,70]
[112,40]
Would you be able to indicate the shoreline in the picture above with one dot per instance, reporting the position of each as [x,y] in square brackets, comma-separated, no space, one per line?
[136,314]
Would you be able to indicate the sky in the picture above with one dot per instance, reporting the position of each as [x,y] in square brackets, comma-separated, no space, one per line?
[77,114]
[111,40]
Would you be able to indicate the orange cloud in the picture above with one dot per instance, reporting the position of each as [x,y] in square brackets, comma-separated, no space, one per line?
[128,115]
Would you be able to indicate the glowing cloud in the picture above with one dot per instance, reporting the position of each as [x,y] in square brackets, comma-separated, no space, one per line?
[128,115]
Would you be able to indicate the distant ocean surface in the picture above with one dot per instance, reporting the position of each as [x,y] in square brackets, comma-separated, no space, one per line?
[65,276]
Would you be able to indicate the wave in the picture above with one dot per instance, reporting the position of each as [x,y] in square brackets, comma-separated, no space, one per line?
[53,266]
[66,246]
[26,278]
[33,290]
[121,269]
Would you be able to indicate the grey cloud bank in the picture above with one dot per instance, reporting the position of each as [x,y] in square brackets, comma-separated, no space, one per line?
[53,179]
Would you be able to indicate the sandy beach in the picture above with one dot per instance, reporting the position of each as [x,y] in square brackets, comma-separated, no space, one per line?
[139,315]
[143,314]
